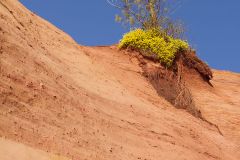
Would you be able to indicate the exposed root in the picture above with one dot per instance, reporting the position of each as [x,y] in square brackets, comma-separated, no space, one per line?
[190,60]
[212,124]
[171,83]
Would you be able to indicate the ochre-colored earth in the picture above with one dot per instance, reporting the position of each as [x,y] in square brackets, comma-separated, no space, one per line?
[93,103]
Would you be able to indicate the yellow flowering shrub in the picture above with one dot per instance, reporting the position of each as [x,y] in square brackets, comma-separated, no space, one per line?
[151,42]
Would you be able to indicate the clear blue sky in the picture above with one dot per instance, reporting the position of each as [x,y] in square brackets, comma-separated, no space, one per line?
[213,26]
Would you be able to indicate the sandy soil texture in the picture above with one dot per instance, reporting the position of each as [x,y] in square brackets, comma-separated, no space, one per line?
[92,103]
[10,150]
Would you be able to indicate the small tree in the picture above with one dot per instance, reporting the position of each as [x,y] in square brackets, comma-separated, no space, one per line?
[149,14]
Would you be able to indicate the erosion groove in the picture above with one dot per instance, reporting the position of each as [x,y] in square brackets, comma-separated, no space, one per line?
[172,87]
[171,83]
[11,12]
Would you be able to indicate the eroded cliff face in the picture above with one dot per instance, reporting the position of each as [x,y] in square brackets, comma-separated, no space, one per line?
[94,102]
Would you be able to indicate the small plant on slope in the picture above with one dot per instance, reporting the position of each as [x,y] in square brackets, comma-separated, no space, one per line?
[157,35]
[153,43]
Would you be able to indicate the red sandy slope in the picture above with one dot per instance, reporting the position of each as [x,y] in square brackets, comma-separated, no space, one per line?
[89,103]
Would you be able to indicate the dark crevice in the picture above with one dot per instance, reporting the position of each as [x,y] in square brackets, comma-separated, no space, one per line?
[171,83]
[11,12]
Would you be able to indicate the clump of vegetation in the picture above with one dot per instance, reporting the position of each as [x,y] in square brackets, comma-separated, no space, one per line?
[153,43]
[157,35]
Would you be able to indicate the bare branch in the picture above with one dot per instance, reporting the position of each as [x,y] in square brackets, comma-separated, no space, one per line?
[149,14]
[113,4]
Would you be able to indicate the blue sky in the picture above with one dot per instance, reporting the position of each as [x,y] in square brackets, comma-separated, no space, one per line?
[213,26]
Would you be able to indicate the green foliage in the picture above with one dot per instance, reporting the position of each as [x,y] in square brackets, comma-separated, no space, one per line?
[155,43]
[143,13]
[149,14]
